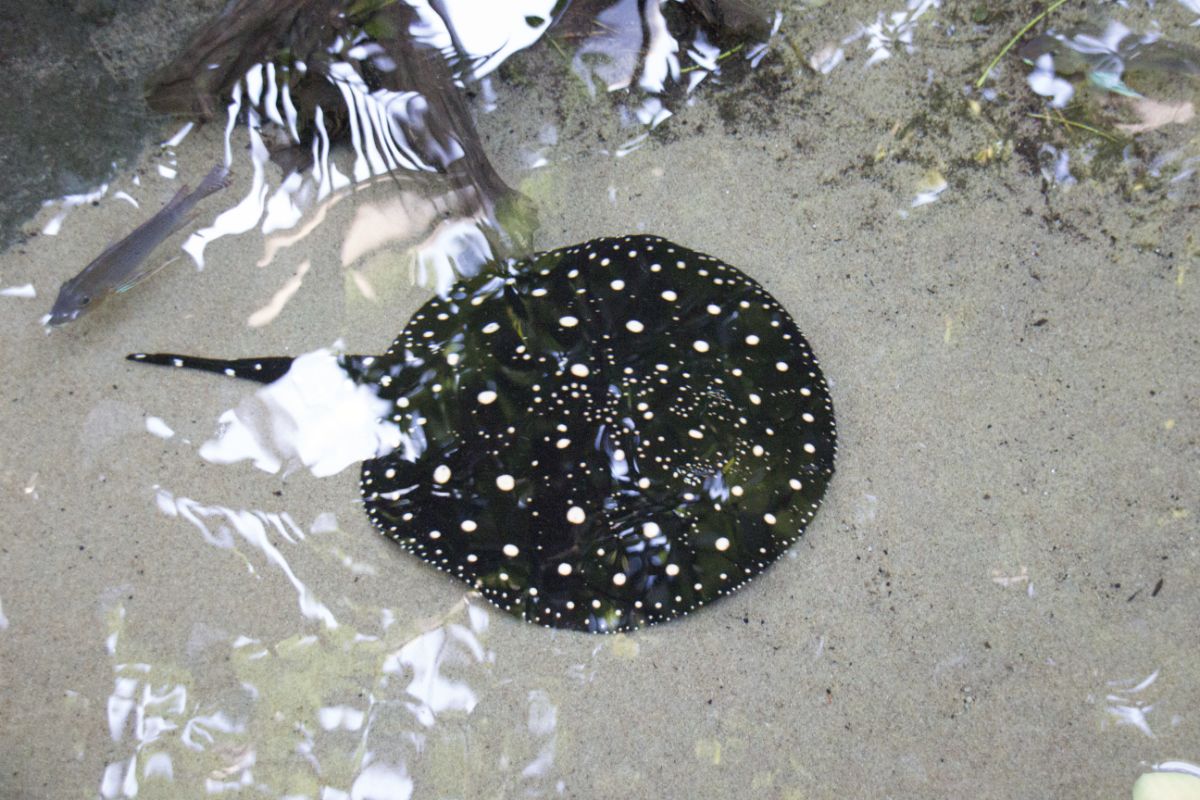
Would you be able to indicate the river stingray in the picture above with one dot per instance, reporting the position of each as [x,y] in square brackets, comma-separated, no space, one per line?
[599,437]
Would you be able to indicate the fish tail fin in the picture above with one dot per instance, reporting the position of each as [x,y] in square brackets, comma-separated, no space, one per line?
[216,179]
[259,370]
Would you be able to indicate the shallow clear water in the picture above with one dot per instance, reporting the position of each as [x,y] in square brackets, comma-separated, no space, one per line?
[997,597]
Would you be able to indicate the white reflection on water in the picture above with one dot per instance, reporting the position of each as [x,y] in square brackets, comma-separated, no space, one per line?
[423,658]
[25,290]
[251,526]
[487,32]
[543,720]
[337,714]
[1044,81]
[377,781]
[315,415]
[1129,710]
[892,31]
[1179,766]
[159,428]
[66,204]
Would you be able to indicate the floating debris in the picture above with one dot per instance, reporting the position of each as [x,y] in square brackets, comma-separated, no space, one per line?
[1107,56]
[601,437]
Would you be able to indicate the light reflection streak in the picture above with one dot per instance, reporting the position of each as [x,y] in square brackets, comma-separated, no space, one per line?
[251,526]
[68,203]
[274,307]
[26,291]
[344,713]
[314,416]
[433,692]
[1129,710]
[243,216]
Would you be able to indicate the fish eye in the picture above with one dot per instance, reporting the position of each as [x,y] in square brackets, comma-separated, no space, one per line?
[83,301]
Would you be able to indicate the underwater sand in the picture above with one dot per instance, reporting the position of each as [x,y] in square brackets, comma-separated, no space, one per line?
[998,597]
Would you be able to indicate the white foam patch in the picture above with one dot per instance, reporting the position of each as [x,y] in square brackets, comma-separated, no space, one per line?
[314,415]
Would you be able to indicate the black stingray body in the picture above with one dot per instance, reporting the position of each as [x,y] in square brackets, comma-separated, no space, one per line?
[599,437]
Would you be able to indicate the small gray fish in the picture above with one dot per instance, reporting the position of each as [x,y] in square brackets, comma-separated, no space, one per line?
[121,266]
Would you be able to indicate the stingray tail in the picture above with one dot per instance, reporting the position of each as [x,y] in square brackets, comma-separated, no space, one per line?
[259,370]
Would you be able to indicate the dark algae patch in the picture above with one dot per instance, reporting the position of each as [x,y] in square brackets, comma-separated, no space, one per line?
[600,437]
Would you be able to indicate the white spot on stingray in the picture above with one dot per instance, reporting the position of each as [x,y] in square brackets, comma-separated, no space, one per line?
[568,321]
[650,530]
[469,526]
[491,327]
[672,570]
[695,434]
[505,483]
[575,515]
[670,296]
[737,491]
[752,340]
[487,397]
[452,358]
[713,309]
[617,285]
[795,484]
[633,326]
[441,474]
[809,448]
[511,550]
[579,370]
[700,345]
[722,544]
[618,579]
[564,569]
[781,366]
[755,399]
[769,518]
